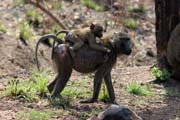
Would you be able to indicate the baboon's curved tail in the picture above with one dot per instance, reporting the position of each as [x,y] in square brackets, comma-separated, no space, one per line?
[62,31]
[53,46]
[55,39]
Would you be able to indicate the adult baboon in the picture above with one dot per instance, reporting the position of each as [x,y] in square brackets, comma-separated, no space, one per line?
[85,63]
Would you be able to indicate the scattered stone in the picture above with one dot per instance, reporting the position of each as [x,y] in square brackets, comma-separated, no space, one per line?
[116,6]
[78,18]
[149,52]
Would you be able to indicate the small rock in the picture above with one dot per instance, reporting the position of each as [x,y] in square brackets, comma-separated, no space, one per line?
[78,18]
[140,30]
[149,52]
[93,118]
[116,6]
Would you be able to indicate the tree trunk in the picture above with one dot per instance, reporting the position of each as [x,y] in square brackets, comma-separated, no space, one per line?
[167,17]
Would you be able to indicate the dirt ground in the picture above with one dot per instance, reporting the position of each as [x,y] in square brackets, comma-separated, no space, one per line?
[17,60]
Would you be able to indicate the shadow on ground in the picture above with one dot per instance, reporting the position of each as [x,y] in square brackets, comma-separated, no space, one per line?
[169,107]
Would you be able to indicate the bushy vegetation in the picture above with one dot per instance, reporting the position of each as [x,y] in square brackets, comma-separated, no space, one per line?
[25,30]
[39,81]
[137,89]
[33,17]
[30,89]
[159,74]
[89,113]
[76,90]
[140,9]
[19,2]
[35,115]
[131,23]
[60,102]
[18,89]
[3,28]
[55,29]
[91,4]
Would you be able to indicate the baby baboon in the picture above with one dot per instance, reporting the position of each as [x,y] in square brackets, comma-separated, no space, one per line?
[173,52]
[85,35]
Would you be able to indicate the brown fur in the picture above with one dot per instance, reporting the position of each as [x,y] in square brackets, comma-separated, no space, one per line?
[107,37]
[87,35]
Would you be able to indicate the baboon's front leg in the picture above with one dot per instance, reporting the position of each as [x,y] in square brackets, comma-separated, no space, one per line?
[97,85]
[108,82]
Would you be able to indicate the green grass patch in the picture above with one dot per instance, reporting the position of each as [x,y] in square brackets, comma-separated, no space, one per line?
[161,75]
[58,5]
[131,23]
[77,89]
[18,89]
[25,30]
[60,102]
[87,114]
[31,89]
[35,115]
[3,28]
[19,2]
[55,29]
[140,9]
[140,90]
[91,4]
[40,81]
[33,17]
[103,96]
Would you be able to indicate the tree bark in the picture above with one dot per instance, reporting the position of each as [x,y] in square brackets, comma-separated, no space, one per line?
[167,17]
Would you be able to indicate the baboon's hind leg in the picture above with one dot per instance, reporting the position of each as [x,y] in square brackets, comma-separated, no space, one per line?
[60,83]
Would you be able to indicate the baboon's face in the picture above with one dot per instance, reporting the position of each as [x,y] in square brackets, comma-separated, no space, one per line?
[126,46]
[124,43]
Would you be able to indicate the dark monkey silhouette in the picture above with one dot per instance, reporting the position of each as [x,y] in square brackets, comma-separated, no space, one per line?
[86,60]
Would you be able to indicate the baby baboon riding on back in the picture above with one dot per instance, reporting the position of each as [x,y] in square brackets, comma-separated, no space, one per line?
[77,38]
[91,62]
[87,35]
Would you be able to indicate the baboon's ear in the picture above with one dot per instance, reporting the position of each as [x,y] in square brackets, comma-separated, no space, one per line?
[92,26]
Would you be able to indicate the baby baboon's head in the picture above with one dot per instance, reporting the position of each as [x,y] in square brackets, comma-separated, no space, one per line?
[97,30]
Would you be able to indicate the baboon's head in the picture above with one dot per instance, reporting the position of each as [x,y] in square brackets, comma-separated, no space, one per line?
[97,30]
[122,43]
